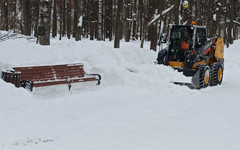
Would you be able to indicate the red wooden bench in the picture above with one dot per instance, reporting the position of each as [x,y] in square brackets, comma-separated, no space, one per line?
[37,76]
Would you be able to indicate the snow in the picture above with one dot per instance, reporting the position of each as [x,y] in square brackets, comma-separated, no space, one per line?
[236,22]
[135,108]
[80,20]
[214,17]
[185,2]
[156,17]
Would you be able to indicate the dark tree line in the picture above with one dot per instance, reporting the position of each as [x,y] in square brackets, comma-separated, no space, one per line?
[116,19]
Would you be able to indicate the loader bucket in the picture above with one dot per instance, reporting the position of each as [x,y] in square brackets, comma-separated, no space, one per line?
[195,79]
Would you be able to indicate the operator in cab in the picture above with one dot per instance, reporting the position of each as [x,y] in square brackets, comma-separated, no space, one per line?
[186,40]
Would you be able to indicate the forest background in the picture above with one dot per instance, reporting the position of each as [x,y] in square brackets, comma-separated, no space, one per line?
[117,20]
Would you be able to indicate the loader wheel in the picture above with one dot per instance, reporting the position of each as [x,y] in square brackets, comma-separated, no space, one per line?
[204,76]
[216,74]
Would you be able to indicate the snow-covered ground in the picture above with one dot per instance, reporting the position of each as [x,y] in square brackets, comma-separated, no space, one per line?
[135,108]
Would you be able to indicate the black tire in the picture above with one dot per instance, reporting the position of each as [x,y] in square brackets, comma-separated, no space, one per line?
[216,74]
[204,76]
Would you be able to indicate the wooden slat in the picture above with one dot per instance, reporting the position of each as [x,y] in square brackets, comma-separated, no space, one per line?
[47,74]
[51,76]
[64,82]
[46,71]
[47,67]
[40,70]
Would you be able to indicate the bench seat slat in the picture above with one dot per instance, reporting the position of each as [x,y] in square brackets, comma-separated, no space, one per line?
[46,77]
[34,78]
[46,72]
[53,74]
[47,67]
[39,84]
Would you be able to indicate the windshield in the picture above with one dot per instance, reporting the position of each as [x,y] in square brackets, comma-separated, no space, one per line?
[180,40]
[178,35]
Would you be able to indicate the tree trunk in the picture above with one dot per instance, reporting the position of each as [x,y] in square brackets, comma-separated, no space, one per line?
[128,21]
[134,20]
[176,11]
[93,19]
[61,19]
[26,17]
[36,18]
[75,17]
[95,14]
[44,23]
[230,28]
[54,25]
[108,19]
[118,25]
[154,37]
[64,18]
[78,31]
[100,20]
[69,8]
[153,29]
[6,14]
[141,17]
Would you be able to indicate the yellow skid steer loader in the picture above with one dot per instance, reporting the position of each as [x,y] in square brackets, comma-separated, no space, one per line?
[188,50]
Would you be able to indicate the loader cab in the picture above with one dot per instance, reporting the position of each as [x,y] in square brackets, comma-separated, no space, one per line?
[194,36]
[179,35]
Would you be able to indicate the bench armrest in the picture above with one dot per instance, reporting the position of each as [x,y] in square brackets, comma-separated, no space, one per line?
[99,77]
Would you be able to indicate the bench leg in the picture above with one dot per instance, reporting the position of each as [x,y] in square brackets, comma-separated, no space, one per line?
[69,86]
[27,84]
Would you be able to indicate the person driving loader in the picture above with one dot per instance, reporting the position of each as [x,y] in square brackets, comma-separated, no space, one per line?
[186,40]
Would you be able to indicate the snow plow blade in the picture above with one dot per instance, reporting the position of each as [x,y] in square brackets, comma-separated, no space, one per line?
[189,85]
[195,80]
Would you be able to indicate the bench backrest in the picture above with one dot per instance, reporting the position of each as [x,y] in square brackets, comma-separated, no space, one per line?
[56,73]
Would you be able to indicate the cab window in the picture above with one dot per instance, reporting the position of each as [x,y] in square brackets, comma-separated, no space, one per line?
[200,37]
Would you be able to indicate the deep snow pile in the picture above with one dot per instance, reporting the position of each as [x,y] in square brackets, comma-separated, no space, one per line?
[129,65]
[135,107]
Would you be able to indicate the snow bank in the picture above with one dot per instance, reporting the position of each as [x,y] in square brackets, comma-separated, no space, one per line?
[128,65]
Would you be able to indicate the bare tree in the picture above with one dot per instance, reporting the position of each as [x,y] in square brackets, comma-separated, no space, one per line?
[108,19]
[118,24]
[127,9]
[100,20]
[6,14]
[63,17]
[44,23]
[79,19]
[54,25]
[69,20]
[26,17]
